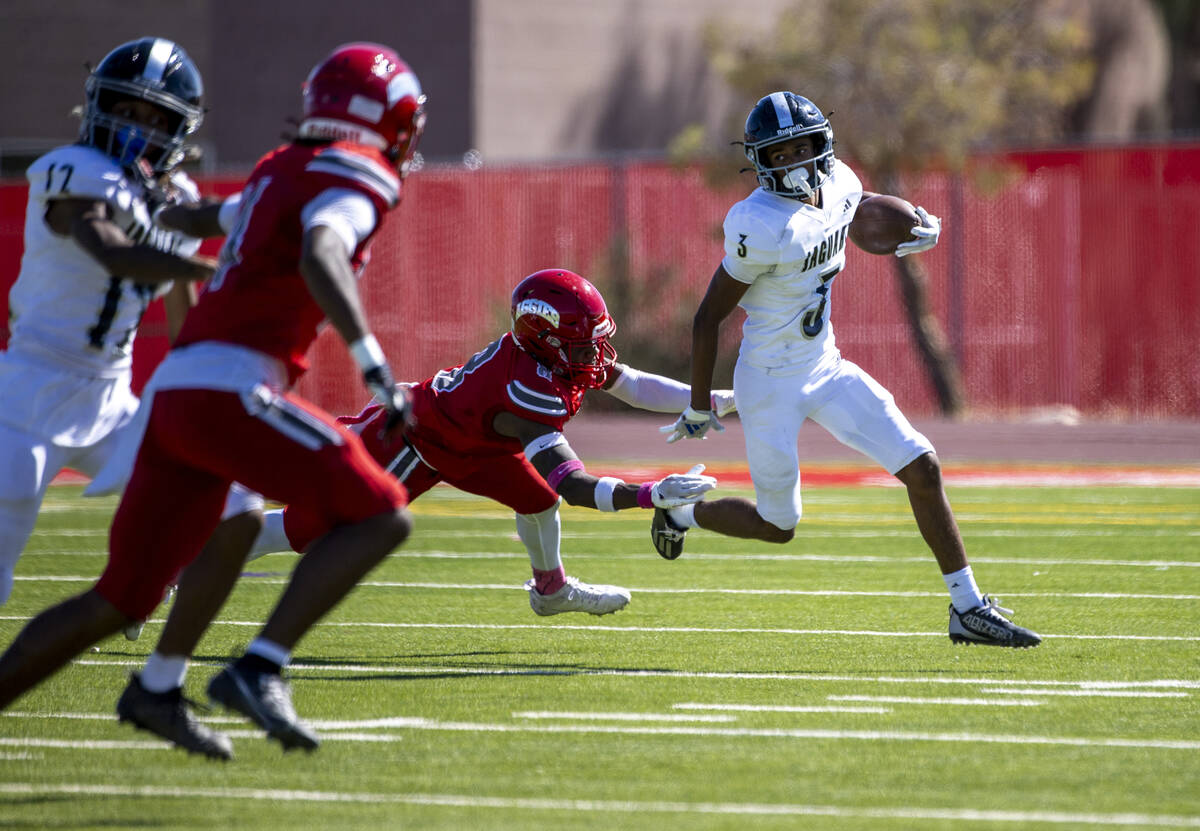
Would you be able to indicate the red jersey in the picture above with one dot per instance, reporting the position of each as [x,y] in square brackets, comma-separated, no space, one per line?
[258,299]
[455,408]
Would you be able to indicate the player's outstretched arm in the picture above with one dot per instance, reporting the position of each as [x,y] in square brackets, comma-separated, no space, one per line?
[548,451]
[201,220]
[90,224]
[659,394]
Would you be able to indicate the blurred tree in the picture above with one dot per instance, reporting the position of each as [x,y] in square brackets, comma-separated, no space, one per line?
[1181,20]
[918,84]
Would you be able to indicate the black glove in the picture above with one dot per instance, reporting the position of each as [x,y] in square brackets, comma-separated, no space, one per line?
[395,400]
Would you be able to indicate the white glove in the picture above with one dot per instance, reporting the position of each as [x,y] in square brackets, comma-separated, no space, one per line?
[692,424]
[926,234]
[681,488]
[723,403]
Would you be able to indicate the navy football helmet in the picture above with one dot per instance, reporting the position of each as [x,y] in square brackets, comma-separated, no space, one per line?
[154,70]
[783,116]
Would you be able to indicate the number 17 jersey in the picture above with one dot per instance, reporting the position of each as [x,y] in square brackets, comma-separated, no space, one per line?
[64,307]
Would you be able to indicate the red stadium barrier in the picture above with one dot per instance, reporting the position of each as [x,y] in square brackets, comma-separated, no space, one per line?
[1076,283]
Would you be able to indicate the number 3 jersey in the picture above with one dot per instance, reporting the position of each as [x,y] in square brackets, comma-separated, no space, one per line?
[64,307]
[454,409]
[789,252]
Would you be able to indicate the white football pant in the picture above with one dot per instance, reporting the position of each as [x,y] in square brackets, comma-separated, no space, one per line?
[839,396]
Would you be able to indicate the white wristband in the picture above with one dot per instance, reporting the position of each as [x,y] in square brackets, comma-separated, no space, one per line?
[605,486]
[367,353]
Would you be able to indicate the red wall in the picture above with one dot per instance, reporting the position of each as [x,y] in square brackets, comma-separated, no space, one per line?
[1074,281]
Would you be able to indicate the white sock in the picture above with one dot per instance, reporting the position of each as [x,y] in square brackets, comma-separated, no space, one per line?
[684,516]
[164,672]
[964,594]
[542,535]
[270,650]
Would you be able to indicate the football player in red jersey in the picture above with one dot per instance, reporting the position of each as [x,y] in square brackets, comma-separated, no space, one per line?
[221,410]
[493,425]
[490,426]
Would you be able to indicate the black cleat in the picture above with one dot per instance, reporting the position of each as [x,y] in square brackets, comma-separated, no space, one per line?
[265,699]
[166,714]
[987,625]
[666,535]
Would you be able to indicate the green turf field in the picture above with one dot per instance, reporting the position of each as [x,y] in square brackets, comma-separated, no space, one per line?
[804,686]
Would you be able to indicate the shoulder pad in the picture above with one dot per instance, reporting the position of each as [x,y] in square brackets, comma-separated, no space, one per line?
[77,171]
[542,401]
[752,235]
[358,170]
[843,184]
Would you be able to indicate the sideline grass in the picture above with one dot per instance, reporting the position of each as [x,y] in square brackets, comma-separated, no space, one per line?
[810,685]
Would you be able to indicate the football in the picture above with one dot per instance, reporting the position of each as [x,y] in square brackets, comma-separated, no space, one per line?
[881,223]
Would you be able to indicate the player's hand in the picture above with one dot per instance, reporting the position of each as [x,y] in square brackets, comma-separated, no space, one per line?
[723,403]
[926,234]
[692,424]
[396,400]
[681,488]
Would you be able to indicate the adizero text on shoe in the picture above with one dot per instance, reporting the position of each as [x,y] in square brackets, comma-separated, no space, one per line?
[166,714]
[265,699]
[666,535]
[576,596]
[987,624]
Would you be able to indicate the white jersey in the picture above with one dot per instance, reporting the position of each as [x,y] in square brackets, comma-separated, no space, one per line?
[64,307]
[789,252]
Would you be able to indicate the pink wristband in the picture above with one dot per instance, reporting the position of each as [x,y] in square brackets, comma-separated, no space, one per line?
[645,499]
[559,473]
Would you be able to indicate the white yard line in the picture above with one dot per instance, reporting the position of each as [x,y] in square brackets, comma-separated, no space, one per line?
[417,723]
[81,578]
[780,708]
[1083,693]
[577,716]
[1157,683]
[679,630]
[836,559]
[965,702]
[71,744]
[560,805]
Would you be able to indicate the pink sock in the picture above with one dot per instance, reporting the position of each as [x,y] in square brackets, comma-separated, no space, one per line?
[548,582]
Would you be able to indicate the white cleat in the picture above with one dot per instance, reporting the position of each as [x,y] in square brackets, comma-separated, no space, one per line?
[576,596]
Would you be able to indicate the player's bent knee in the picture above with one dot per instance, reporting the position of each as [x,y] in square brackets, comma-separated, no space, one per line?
[922,473]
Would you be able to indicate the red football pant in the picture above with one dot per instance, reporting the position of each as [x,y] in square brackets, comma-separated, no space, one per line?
[510,480]
[197,443]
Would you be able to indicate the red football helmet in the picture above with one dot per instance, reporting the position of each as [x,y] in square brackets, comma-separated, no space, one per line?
[560,319]
[364,92]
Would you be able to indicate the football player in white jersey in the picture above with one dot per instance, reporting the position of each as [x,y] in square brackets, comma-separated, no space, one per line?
[784,245]
[93,260]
